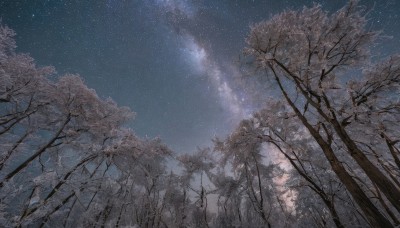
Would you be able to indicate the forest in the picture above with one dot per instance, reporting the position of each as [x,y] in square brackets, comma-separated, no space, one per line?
[323,152]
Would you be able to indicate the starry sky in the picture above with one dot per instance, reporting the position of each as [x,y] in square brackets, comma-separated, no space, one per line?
[176,63]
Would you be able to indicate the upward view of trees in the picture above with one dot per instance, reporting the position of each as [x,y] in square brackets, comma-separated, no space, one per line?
[323,153]
[350,118]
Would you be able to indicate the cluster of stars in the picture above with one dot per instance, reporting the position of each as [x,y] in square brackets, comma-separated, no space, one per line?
[202,62]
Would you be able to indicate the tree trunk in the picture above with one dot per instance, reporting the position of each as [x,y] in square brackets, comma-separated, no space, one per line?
[391,192]
[374,174]
[373,215]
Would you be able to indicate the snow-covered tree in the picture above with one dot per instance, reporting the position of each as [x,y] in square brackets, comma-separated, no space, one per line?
[320,64]
[254,178]
[323,153]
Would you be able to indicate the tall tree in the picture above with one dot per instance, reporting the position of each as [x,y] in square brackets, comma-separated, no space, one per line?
[311,55]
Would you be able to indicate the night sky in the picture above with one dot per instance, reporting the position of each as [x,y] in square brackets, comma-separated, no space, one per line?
[174,62]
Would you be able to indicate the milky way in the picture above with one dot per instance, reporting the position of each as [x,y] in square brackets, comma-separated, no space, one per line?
[200,58]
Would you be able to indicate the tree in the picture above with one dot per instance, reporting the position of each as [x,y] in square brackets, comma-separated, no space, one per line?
[278,129]
[196,171]
[243,151]
[58,140]
[67,159]
[310,56]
